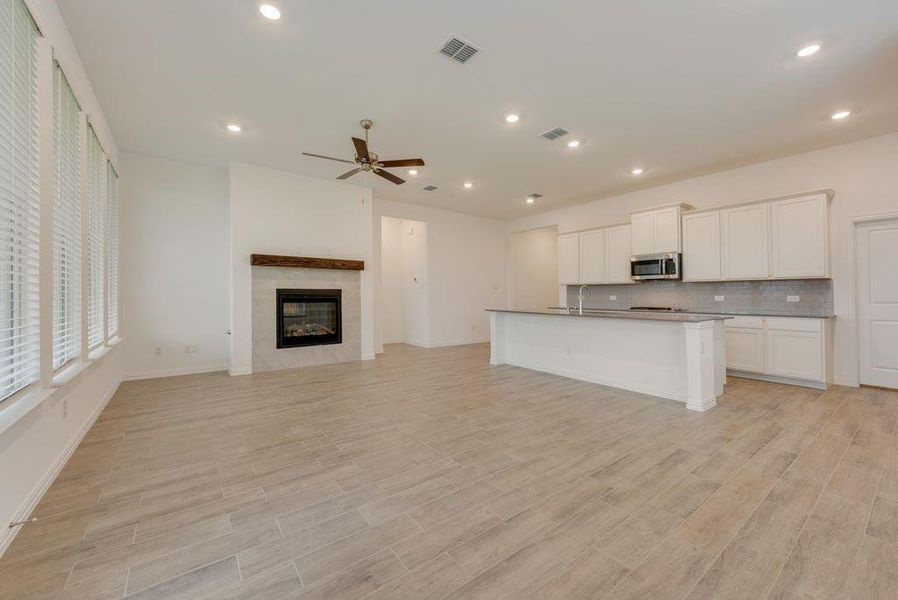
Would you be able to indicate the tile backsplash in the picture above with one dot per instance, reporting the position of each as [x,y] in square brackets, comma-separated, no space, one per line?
[815,296]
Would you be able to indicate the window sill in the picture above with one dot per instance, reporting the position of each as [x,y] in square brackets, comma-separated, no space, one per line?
[15,408]
[114,341]
[98,352]
[69,372]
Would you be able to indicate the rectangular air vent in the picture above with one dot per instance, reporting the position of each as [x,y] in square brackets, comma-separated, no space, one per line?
[554,134]
[429,188]
[458,50]
[535,196]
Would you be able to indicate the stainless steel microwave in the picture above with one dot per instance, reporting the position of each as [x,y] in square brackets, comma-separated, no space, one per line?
[665,265]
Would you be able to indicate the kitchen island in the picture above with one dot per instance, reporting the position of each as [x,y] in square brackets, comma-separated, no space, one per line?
[672,355]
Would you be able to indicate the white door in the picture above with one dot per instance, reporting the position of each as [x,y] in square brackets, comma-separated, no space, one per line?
[592,257]
[798,237]
[667,229]
[877,251]
[569,259]
[744,242]
[643,233]
[701,246]
[618,250]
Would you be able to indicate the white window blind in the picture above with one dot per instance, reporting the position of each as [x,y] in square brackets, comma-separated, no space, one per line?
[66,222]
[113,241]
[96,239]
[19,199]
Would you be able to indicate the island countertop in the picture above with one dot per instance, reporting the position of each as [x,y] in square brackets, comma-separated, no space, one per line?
[677,317]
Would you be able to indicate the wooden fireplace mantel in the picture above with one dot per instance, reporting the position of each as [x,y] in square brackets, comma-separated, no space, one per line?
[306,262]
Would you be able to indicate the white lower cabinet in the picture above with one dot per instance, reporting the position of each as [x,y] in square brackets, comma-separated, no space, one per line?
[782,348]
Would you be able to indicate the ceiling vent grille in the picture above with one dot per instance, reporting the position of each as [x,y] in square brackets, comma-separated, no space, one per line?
[554,134]
[535,196]
[458,50]
[429,188]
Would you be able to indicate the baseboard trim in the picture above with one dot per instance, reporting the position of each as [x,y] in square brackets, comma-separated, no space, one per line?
[174,372]
[8,534]
[371,356]
[460,343]
[846,382]
[605,381]
[241,371]
[817,385]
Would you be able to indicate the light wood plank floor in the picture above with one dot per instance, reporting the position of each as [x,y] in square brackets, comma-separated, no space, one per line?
[430,474]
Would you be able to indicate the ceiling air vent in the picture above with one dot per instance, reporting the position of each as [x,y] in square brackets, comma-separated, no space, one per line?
[429,188]
[458,50]
[554,134]
[535,196]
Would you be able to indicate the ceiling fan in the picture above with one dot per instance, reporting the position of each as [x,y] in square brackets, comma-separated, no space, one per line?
[369,161]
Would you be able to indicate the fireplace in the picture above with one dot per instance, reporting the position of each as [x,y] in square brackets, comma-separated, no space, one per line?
[308,318]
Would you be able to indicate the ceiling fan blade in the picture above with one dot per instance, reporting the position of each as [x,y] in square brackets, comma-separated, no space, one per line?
[361,148]
[407,162]
[348,174]
[352,162]
[389,176]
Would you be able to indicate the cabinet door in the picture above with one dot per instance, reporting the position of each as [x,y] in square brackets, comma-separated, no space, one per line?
[701,246]
[592,257]
[569,259]
[745,349]
[744,235]
[798,237]
[667,229]
[797,354]
[618,250]
[643,233]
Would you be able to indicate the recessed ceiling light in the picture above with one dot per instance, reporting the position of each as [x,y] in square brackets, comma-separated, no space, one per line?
[573,143]
[841,114]
[808,50]
[637,171]
[512,118]
[234,128]
[270,11]
[530,200]
[412,172]
[468,185]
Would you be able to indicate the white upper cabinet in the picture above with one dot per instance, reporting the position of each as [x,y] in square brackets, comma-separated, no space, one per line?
[744,242]
[643,233]
[618,250]
[656,230]
[592,257]
[701,246]
[569,259]
[798,232]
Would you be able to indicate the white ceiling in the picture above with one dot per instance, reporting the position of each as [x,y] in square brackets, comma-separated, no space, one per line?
[677,87]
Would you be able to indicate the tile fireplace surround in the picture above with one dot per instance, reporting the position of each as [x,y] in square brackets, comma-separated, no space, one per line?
[266,282]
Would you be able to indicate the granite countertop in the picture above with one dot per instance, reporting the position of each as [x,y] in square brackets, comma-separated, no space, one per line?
[749,313]
[678,317]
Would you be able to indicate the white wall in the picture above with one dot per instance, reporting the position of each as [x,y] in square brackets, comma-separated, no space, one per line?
[391,280]
[174,266]
[415,284]
[533,268]
[40,428]
[863,174]
[465,271]
[276,212]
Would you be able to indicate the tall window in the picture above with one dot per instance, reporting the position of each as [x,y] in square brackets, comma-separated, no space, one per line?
[96,239]
[66,222]
[112,264]
[19,199]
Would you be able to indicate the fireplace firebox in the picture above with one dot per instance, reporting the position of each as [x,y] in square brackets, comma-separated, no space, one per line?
[308,318]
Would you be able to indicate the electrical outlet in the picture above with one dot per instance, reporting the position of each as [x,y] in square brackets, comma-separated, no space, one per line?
[157,351]
[793,298]
[719,298]
[612,297]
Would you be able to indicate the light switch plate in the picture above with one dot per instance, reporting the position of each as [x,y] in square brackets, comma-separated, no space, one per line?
[793,298]
[719,298]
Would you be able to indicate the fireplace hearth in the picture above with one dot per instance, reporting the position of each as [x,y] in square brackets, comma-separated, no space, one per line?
[308,318]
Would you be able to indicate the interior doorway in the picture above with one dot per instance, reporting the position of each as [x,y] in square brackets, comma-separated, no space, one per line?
[877,302]
[533,268]
[405,314]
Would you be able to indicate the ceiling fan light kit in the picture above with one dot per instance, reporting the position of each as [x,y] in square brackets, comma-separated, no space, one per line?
[369,162]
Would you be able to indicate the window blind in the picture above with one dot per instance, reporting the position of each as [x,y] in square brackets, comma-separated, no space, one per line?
[19,199]
[96,238]
[113,241]
[66,222]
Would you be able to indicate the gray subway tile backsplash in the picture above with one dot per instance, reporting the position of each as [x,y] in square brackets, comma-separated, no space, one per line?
[740,297]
